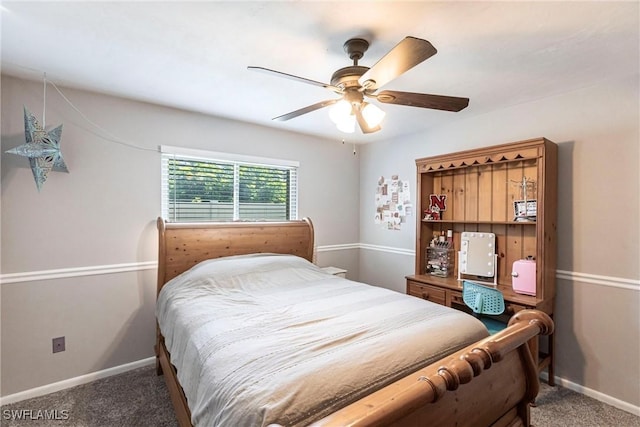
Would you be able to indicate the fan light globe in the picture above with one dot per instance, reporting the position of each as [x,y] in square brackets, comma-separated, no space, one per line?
[347,124]
[372,115]
[340,111]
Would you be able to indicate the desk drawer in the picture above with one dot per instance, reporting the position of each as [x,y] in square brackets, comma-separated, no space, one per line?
[455,299]
[427,292]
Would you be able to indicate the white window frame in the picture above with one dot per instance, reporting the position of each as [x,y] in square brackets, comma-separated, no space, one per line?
[237,160]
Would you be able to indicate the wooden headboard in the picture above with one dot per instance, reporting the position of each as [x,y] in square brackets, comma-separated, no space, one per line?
[183,245]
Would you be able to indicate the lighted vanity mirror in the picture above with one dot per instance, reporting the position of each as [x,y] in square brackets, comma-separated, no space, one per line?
[477,254]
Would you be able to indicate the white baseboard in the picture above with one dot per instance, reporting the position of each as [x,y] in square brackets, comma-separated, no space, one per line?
[72,382]
[604,398]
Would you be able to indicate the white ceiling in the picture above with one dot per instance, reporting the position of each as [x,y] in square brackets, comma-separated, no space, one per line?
[194,55]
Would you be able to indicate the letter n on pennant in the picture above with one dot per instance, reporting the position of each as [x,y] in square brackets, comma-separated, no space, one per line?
[438,202]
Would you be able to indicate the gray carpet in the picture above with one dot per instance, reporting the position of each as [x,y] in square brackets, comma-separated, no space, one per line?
[140,398]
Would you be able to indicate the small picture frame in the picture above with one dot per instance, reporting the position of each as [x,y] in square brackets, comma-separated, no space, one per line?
[525,210]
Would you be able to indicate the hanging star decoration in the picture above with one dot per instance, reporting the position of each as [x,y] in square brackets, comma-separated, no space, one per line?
[42,148]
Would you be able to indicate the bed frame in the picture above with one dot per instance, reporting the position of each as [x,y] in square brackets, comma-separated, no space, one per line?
[489,383]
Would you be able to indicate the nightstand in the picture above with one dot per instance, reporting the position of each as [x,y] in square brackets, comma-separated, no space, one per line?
[335,271]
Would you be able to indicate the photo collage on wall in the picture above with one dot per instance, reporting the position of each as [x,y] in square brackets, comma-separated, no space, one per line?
[393,202]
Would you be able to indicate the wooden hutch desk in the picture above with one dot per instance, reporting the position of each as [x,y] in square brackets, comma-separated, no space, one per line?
[480,186]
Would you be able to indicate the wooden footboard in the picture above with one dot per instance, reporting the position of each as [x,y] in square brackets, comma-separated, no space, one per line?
[489,383]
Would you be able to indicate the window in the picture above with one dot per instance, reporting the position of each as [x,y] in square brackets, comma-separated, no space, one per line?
[207,186]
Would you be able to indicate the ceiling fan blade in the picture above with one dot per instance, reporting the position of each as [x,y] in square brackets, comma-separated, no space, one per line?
[363,123]
[292,77]
[306,110]
[423,100]
[405,55]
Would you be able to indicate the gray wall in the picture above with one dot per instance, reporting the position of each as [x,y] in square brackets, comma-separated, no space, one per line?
[102,215]
[597,130]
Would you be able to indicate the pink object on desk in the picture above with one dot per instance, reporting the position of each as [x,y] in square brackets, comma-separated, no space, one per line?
[524,277]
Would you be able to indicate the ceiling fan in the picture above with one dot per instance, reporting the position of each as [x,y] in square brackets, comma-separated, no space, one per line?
[356,83]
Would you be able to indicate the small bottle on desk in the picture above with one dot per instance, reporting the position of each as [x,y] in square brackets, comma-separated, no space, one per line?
[450,238]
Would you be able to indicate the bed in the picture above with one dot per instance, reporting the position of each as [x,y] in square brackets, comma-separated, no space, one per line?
[298,352]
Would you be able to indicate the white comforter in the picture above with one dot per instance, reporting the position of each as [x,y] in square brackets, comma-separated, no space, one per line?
[263,339]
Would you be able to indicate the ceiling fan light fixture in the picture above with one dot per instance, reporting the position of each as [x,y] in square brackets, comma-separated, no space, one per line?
[355,82]
[372,114]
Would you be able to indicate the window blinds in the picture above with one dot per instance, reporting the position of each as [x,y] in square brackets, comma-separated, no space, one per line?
[206,189]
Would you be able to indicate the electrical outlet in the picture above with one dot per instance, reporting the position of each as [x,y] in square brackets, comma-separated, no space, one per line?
[58,344]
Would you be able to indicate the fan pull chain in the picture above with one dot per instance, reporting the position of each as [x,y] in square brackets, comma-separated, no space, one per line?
[354,147]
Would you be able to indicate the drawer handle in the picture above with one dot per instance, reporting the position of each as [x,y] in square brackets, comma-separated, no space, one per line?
[425,295]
